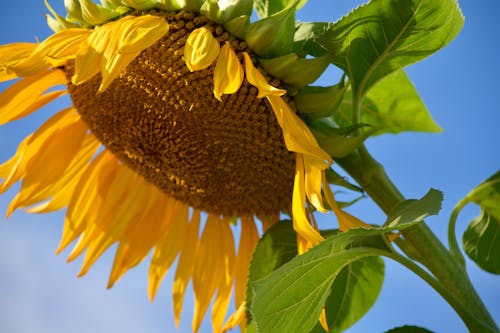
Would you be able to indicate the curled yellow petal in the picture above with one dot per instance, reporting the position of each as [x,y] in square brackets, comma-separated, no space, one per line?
[300,222]
[201,49]
[298,137]
[346,221]
[90,54]
[129,36]
[256,79]
[313,179]
[139,33]
[62,46]
[228,73]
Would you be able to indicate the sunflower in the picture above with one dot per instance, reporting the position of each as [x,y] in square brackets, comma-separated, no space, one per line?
[183,122]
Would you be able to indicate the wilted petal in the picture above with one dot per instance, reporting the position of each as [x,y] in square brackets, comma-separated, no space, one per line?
[228,73]
[201,49]
[256,79]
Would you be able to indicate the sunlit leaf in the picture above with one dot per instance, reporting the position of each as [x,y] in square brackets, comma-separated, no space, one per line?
[265,8]
[412,210]
[292,297]
[481,239]
[390,106]
[385,35]
[482,242]
[354,291]
[277,246]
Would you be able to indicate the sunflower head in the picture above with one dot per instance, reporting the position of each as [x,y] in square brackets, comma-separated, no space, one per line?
[178,107]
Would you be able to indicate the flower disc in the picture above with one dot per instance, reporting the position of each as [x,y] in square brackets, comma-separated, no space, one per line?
[164,122]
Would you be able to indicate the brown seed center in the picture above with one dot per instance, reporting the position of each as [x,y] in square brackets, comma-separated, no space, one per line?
[224,157]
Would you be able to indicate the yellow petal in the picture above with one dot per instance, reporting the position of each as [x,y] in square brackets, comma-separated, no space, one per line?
[166,251]
[346,221]
[300,222]
[15,169]
[185,265]
[44,169]
[11,55]
[100,231]
[62,46]
[12,170]
[64,187]
[114,65]
[313,179]
[256,79]
[15,52]
[24,96]
[129,36]
[208,270]
[86,201]
[323,322]
[248,240]
[145,230]
[141,32]
[89,58]
[237,318]
[225,288]
[201,49]
[298,137]
[228,73]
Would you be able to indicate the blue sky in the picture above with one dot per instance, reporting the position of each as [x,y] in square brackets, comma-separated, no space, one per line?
[39,292]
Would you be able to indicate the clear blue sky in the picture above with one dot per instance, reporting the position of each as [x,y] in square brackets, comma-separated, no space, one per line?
[459,85]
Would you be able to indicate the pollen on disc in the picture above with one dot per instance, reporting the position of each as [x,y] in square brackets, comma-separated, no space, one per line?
[164,122]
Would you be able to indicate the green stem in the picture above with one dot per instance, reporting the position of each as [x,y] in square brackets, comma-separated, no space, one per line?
[452,239]
[473,324]
[419,241]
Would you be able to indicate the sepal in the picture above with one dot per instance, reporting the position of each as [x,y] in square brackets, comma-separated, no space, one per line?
[337,142]
[56,22]
[171,4]
[294,70]
[238,26]
[91,13]
[140,4]
[223,12]
[273,36]
[318,102]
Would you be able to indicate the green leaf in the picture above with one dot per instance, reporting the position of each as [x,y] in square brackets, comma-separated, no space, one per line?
[275,248]
[391,106]
[385,35]
[411,211]
[354,291]
[251,328]
[266,8]
[481,239]
[306,36]
[481,242]
[487,194]
[409,329]
[292,297]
